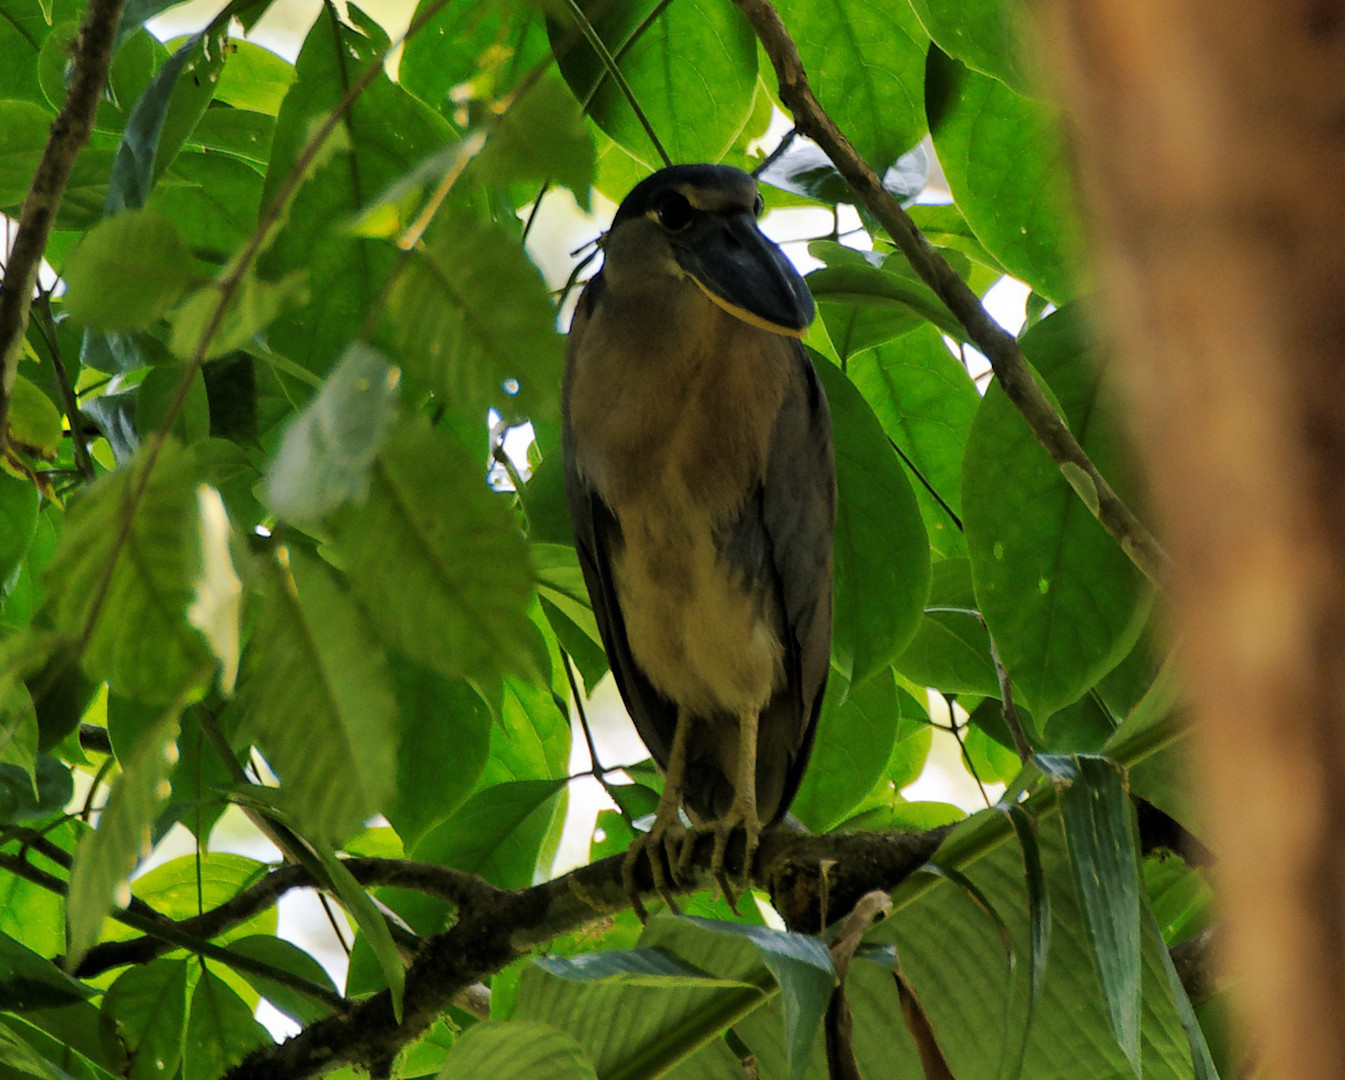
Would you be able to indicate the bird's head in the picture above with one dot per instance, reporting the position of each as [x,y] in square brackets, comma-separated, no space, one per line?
[699,222]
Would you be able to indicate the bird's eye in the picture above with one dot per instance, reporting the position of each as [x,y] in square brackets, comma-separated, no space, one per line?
[758,206]
[674,212]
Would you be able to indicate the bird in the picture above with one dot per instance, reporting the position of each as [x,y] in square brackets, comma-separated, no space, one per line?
[700,479]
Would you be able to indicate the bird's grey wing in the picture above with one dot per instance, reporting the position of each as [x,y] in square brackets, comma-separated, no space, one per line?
[798,513]
[597,534]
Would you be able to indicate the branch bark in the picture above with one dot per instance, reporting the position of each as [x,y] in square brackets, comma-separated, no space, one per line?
[74,124]
[999,347]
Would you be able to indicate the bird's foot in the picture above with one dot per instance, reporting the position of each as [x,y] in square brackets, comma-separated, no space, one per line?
[661,846]
[740,817]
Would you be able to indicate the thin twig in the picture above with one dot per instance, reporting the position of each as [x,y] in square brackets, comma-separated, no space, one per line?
[69,133]
[999,347]
[1011,717]
[69,401]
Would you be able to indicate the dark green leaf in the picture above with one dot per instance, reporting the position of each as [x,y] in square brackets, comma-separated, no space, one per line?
[695,119]
[1039,916]
[867,62]
[287,957]
[951,650]
[456,596]
[1100,831]
[882,551]
[443,740]
[19,501]
[214,200]
[220,1030]
[541,137]
[457,337]
[312,656]
[1062,600]
[129,270]
[148,1003]
[159,392]
[28,981]
[99,587]
[23,136]
[1202,1060]
[55,787]
[497,834]
[1005,161]
[516,1050]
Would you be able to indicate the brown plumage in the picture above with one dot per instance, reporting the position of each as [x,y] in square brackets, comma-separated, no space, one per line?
[701,486]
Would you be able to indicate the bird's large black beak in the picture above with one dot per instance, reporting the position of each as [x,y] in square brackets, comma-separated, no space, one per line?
[745,273]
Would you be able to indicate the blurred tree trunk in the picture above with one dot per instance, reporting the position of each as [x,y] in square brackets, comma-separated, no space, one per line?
[1211,145]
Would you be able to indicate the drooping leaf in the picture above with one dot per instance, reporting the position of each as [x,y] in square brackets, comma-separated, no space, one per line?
[1061,599]
[457,337]
[516,1050]
[313,656]
[220,1030]
[106,856]
[29,981]
[882,551]
[102,582]
[661,54]
[1100,832]
[455,598]
[868,63]
[130,269]
[1005,161]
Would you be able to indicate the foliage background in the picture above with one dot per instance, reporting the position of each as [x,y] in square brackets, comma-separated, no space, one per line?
[260,563]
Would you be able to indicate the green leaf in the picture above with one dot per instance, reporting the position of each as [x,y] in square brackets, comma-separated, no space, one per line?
[106,856]
[329,449]
[19,502]
[456,596]
[212,197]
[867,62]
[1039,914]
[497,834]
[950,651]
[312,656]
[287,957]
[1062,600]
[442,745]
[29,981]
[99,587]
[34,422]
[250,308]
[24,127]
[386,132]
[220,1030]
[488,44]
[148,1003]
[1202,1060]
[984,34]
[564,597]
[18,717]
[516,1050]
[158,393]
[128,271]
[541,137]
[184,887]
[855,736]
[254,78]
[1005,161]
[455,334]
[1100,831]
[882,551]
[695,119]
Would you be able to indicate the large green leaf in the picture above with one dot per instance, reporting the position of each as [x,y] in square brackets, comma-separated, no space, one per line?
[1100,833]
[386,133]
[29,981]
[455,597]
[148,1003]
[312,656]
[254,78]
[867,62]
[694,118]
[541,137]
[516,1050]
[24,127]
[1005,161]
[286,956]
[109,575]
[951,650]
[984,34]
[473,321]
[220,1030]
[488,43]
[882,551]
[1063,602]
[855,735]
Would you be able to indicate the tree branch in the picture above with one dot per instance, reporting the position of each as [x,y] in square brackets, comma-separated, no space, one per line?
[74,124]
[999,347]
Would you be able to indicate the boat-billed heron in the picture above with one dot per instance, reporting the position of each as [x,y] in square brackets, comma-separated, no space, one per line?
[701,484]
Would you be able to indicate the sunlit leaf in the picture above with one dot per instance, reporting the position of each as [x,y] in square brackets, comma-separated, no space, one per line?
[220,1030]
[516,1050]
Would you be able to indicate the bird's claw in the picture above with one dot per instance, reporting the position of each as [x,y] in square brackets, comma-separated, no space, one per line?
[661,846]
[723,831]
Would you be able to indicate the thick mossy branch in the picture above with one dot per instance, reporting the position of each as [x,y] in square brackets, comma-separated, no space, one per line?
[999,347]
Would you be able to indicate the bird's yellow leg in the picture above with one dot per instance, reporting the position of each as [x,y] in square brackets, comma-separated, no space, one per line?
[742,814]
[665,836]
